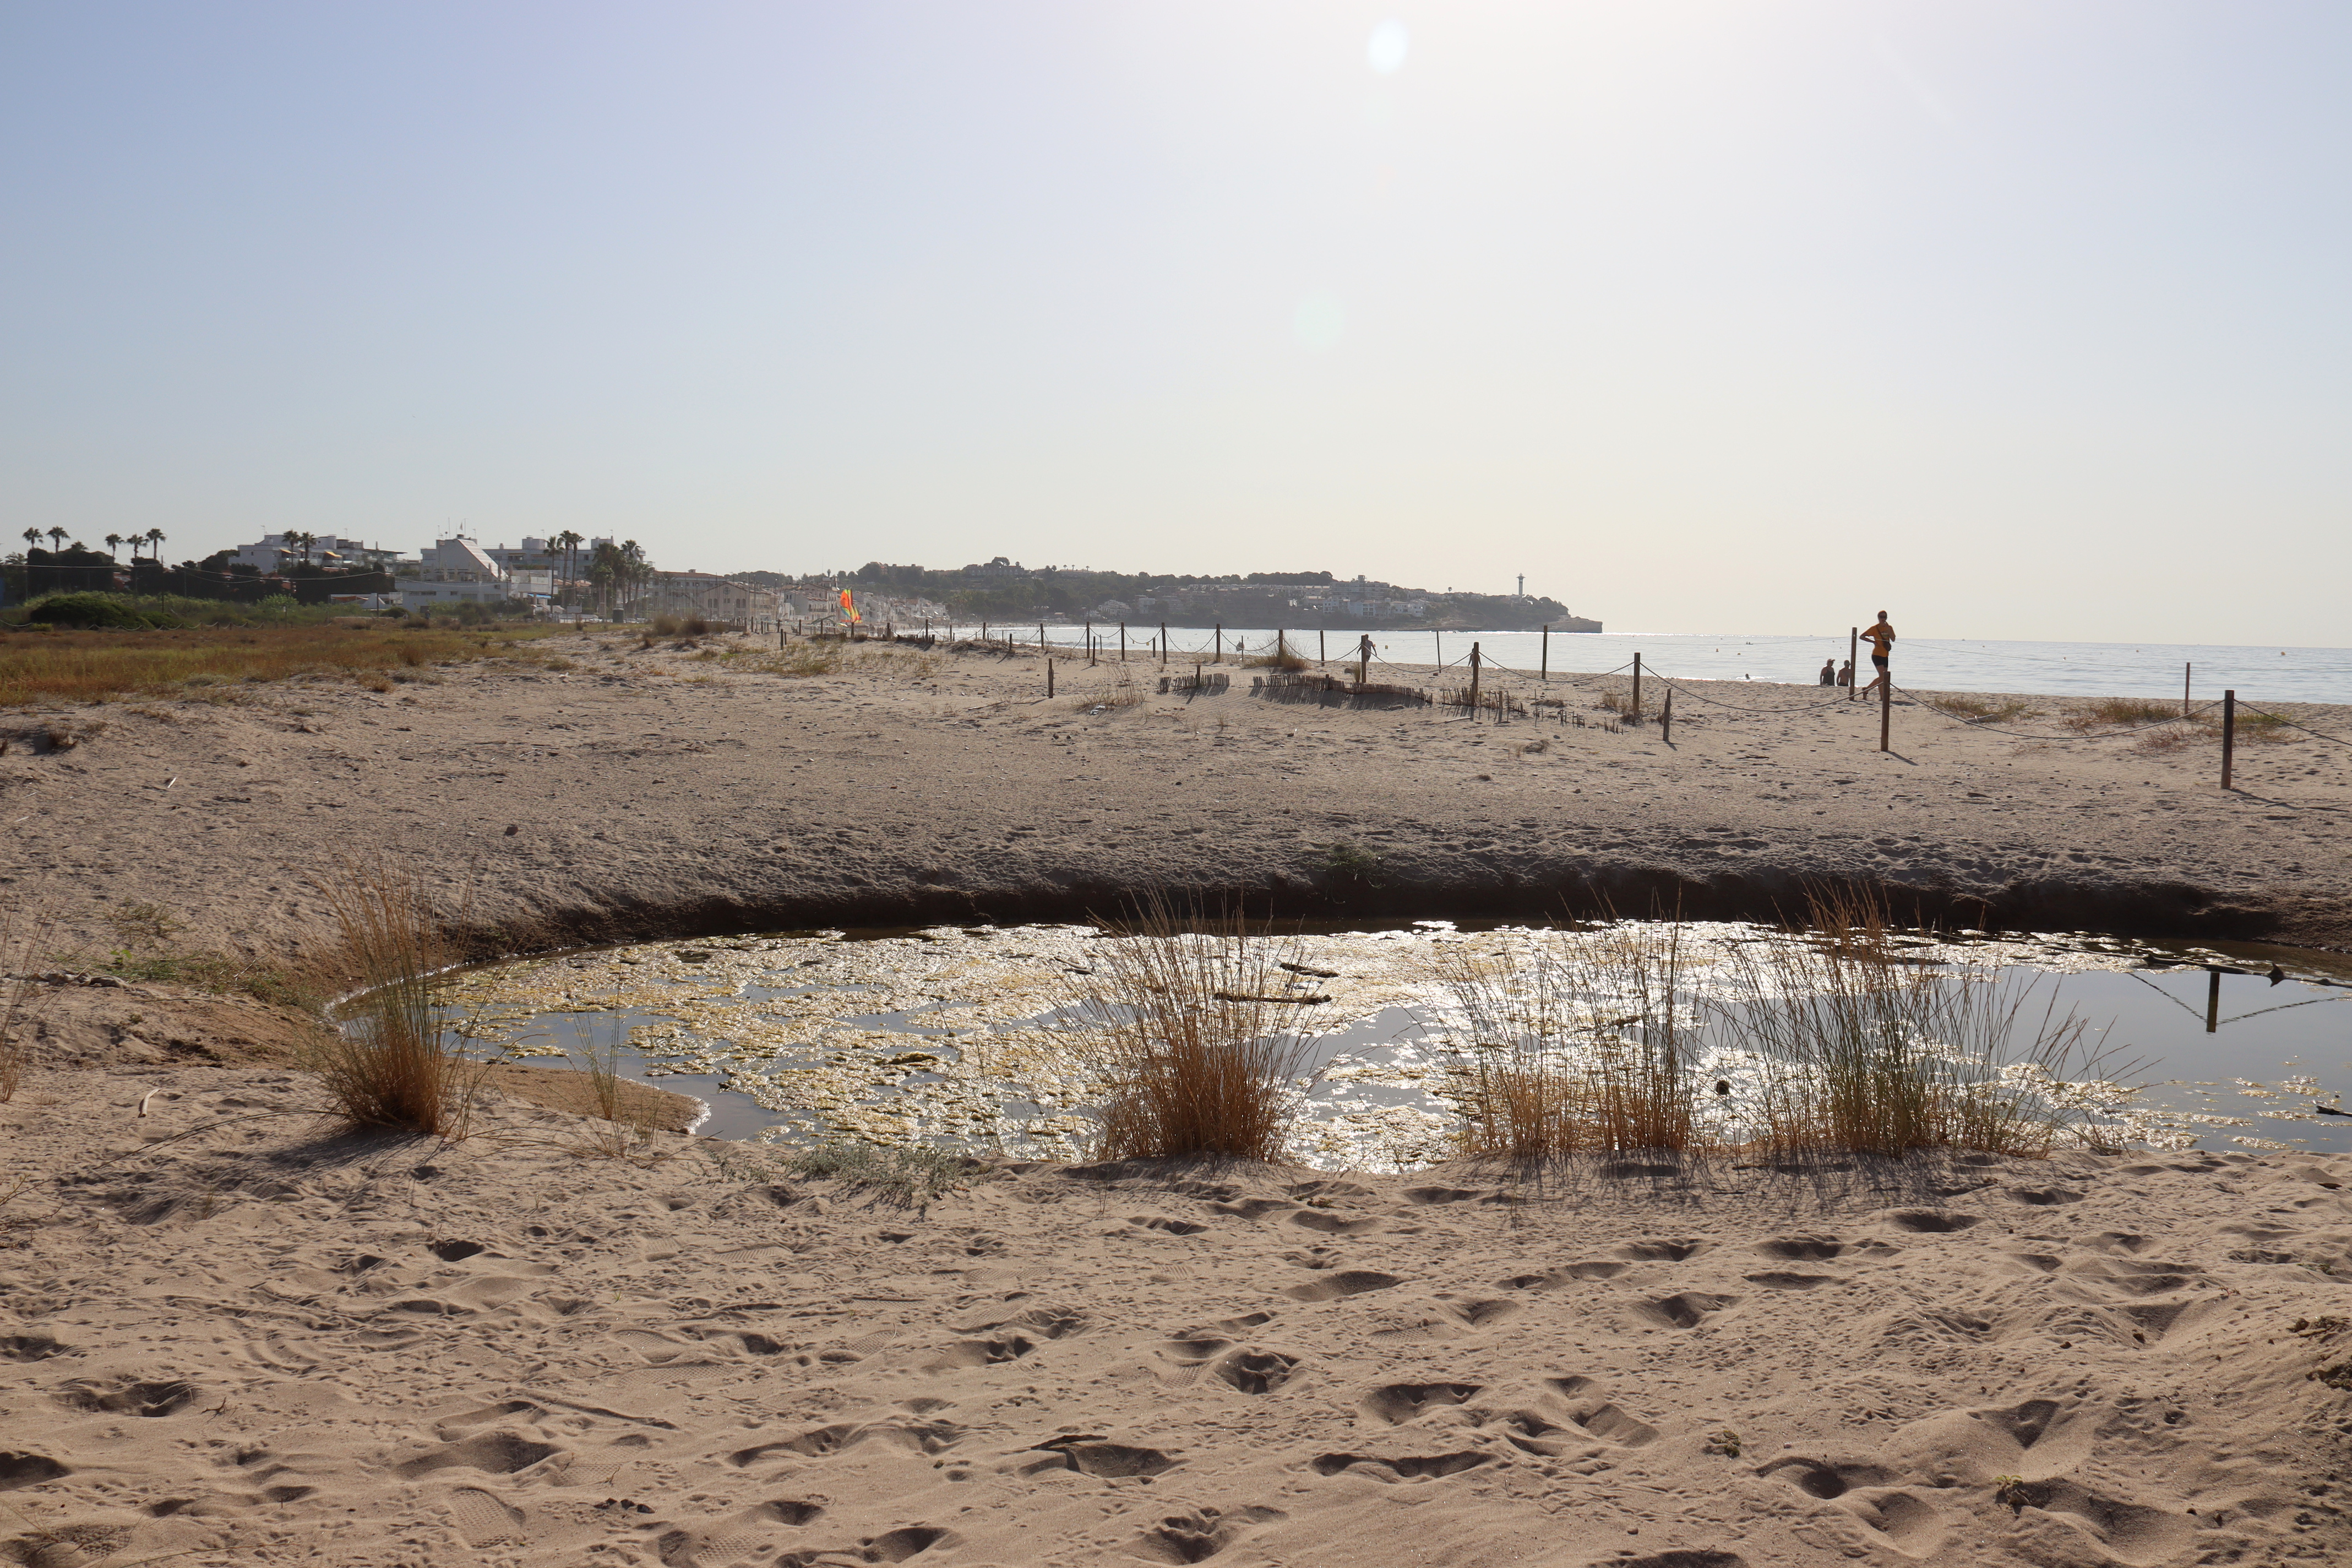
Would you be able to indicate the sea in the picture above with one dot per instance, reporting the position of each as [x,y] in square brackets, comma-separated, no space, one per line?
[1929,664]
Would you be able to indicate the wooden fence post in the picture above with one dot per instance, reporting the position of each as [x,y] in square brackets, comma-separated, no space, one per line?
[1667,718]
[1219,635]
[1885,707]
[1364,660]
[1049,674]
[1164,645]
[1636,714]
[1122,642]
[1853,662]
[1545,668]
[1474,680]
[1041,636]
[2228,734]
[1281,646]
[2213,1002]
[1090,645]
[2184,688]
[1320,659]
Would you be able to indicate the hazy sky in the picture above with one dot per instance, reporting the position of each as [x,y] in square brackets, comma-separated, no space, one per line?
[2020,318]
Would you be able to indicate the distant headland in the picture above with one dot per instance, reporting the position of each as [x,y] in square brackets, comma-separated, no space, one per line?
[1002,590]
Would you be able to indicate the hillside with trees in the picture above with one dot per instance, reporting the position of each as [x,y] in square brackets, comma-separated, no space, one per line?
[1003,589]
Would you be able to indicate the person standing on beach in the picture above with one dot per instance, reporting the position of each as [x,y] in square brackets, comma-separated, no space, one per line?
[1829,671]
[1881,643]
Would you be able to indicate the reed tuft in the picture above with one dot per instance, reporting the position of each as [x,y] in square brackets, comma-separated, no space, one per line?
[1196,1036]
[390,1063]
[1583,1046]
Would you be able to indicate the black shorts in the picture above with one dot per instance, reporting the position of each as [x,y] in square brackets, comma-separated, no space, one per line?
[1879,660]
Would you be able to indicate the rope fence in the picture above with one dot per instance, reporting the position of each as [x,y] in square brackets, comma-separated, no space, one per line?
[1281,655]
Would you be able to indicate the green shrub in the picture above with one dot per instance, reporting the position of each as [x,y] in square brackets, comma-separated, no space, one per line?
[105,610]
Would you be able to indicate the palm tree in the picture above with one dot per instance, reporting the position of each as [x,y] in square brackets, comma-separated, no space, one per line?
[113,543]
[305,541]
[569,541]
[32,543]
[156,544]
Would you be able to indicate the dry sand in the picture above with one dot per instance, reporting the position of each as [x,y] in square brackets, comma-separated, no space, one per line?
[237,1337]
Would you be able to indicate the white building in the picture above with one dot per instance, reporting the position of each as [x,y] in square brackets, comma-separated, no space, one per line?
[460,570]
[713,597]
[277,551]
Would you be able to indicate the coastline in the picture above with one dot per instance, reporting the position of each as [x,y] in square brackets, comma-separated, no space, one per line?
[648,794]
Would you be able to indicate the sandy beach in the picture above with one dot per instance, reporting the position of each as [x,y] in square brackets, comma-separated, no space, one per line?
[234,1334]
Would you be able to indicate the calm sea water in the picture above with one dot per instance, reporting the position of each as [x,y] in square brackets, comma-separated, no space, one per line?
[1932,664]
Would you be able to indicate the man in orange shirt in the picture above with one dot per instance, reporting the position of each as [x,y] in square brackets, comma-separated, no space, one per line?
[1881,643]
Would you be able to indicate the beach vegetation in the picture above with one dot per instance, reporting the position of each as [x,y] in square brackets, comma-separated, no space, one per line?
[26,929]
[907,1175]
[86,665]
[1285,659]
[1196,1034]
[1348,861]
[1852,1047]
[390,1062]
[619,1126]
[1979,710]
[1584,1043]
[2117,712]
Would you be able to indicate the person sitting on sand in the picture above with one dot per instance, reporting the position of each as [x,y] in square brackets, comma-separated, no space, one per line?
[1881,643]
[1828,672]
[1846,673]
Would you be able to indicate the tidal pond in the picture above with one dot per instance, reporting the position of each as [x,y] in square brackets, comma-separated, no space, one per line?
[964,1036]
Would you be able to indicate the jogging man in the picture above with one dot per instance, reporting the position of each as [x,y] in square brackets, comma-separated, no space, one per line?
[1881,643]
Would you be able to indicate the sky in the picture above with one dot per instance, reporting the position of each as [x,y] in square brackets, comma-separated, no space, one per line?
[2017,318]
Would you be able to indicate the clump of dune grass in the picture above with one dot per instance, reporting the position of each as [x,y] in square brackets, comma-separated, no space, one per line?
[1283,660]
[2118,713]
[1849,1048]
[1126,694]
[907,1175]
[390,1062]
[619,1126]
[1196,1034]
[1984,709]
[1584,1045]
[27,929]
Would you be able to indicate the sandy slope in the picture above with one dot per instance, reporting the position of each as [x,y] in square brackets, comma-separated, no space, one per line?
[912,789]
[234,1335]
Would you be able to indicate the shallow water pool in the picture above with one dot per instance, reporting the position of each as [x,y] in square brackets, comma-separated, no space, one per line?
[952,1035]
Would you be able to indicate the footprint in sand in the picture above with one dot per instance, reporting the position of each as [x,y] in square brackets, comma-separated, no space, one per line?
[124,1396]
[1198,1534]
[1344,1282]
[1591,1413]
[1406,1467]
[1685,1309]
[1931,1222]
[1552,1279]
[890,1546]
[1398,1403]
[1254,1371]
[1097,1455]
[18,1468]
[1663,1251]
[496,1453]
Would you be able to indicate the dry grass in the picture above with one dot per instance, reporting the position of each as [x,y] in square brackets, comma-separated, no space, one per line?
[1200,1055]
[620,1128]
[91,666]
[390,1063]
[27,931]
[1126,694]
[1852,1051]
[1285,660]
[1583,1047]
[2118,713]
[1986,709]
